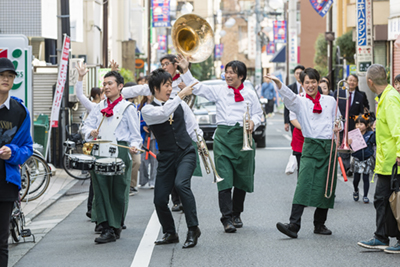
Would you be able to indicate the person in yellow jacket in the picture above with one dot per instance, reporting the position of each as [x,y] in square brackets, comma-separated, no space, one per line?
[387,153]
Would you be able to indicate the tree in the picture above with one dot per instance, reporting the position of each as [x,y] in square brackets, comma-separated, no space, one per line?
[127,74]
[203,70]
[347,46]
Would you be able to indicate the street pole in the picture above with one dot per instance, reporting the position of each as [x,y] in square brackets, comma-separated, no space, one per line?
[105,34]
[330,50]
[286,18]
[148,37]
[257,80]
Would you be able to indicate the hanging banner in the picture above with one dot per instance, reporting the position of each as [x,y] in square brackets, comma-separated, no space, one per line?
[280,31]
[219,49]
[251,37]
[161,12]
[162,42]
[270,48]
[292,48]
[62,76]
[364,35]
[321,6]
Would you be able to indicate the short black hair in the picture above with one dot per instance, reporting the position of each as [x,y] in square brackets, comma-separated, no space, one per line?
[118,77]
[311,73]
[157,78]
[397,79]
[238,67]
[172,59]
[141,78]
[129,84]
[365,120]
[299,67]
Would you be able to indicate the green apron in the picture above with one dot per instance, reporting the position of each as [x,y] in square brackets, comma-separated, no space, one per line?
[197,171]
[235,166]
[311,184]
[111,193]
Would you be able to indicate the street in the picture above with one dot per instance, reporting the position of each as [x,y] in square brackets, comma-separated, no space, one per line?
[66,236]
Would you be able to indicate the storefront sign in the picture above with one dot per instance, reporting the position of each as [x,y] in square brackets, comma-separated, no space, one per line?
[364,35]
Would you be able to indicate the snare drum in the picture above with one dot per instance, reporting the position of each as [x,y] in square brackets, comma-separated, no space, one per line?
[109,166]
[81,162]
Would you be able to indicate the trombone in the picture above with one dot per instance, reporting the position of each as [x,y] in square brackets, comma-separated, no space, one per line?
[204,154]
[247,137]
[344,147]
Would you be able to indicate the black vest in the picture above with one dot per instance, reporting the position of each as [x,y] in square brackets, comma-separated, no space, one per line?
[172,136]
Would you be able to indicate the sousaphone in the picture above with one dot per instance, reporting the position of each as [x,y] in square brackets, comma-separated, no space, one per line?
[193,37]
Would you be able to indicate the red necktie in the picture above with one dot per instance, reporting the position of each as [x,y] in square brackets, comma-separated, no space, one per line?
[238,95]
[108,111]
[317,106]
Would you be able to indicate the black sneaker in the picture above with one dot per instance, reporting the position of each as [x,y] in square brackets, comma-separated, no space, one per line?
[177,207]
[237,222]
[106,236]
[322,230]
[286,229]
[133,191]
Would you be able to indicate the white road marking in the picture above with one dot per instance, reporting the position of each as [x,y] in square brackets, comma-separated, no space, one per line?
[279,131]
[278,148]
[146,246]
[287,137]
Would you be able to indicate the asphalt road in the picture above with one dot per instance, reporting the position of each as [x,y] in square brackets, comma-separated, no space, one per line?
[70,241]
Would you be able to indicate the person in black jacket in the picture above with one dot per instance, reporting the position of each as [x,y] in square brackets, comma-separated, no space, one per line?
[356,107]
[296,88]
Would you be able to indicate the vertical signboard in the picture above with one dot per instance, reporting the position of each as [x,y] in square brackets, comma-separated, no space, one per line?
[292,48]
[252,38]
[364,35]
[62,76]
[270,48]
[219,49]
[162,43]
[161,13]
[280,31]
[15,47]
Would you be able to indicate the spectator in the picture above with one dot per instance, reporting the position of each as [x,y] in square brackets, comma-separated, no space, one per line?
[387,154]
[397,83]
[268,92]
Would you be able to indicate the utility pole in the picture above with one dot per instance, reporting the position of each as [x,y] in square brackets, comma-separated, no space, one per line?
[330,50]
[105,34]
[258,72]
[149,37]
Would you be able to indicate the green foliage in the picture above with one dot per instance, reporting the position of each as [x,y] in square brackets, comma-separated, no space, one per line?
[388,74]
[321,55]
[347,46]
[203,70]
[127,74]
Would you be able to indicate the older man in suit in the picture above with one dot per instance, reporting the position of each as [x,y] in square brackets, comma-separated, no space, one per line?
[356,107]
[296,88]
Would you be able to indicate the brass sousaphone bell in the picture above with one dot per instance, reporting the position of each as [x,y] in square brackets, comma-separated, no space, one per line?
[193,37]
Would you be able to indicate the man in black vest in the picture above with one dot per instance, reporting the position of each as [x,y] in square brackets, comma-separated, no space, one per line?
[173,124]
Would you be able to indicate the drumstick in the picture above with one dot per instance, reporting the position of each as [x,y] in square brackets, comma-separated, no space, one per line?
[101,122]
[342,169]
[138,149]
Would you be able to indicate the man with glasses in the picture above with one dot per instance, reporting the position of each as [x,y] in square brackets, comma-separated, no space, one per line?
[15,148]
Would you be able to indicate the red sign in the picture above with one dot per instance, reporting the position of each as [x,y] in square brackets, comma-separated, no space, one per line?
[62,76]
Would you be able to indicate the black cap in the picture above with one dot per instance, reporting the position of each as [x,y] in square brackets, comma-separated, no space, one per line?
[6,64]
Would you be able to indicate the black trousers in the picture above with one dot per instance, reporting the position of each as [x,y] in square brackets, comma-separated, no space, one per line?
[175,169]
[298,157]
[175,197]
[381,204]
[270,106]
[231,205]
[320,216]
[90,198]
[5,214]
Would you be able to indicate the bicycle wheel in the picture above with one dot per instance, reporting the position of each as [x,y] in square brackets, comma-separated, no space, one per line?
[25,182]
[39,172]
[77,174]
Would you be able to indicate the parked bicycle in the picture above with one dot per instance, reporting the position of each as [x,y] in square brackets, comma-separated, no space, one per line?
[17,224]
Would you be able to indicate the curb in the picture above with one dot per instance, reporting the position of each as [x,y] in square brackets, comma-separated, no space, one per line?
[37,211]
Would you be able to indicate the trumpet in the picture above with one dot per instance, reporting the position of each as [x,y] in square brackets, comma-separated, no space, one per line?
[247,137]
[204,154]
[344,147]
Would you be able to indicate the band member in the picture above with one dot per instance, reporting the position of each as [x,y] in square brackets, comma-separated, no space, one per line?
[316,115]
[235,166]
[119,123]
[15,148]
[173,125]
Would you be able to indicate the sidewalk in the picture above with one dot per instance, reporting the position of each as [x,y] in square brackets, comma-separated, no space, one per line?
[60,183]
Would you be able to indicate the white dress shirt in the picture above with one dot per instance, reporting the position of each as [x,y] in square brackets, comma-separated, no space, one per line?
[127,130]
[229,112]
[143,89]
[89,105]
[6,103]
[313,125]
[160,114]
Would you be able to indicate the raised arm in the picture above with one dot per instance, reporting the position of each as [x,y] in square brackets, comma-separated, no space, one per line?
[159,114]
[136,90]
[256,111]
[135,137]
[82,70]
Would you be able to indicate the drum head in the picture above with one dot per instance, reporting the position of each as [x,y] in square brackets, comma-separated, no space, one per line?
[81,157]
[109,160]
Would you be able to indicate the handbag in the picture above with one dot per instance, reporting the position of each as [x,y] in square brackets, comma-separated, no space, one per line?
[291,166]
[394,198]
